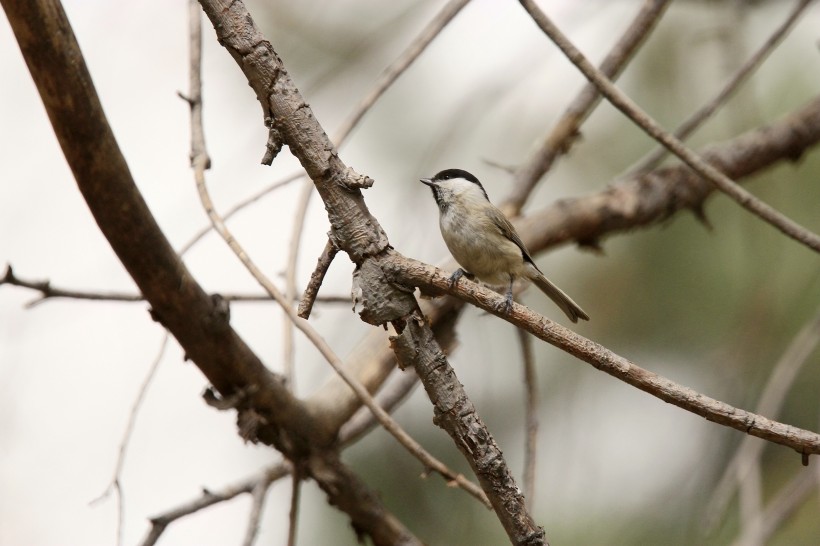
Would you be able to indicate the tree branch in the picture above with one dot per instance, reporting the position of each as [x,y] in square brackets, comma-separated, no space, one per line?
[652,198]
[652,128]
[654,158]
[565,131]
[429,278]
[196,320]
[353,229]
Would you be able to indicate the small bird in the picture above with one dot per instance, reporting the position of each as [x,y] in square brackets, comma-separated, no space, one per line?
[484,242]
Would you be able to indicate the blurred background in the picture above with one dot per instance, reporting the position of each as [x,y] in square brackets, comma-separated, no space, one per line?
[712,309]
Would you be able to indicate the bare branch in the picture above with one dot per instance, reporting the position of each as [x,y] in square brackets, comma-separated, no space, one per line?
[653,159]
[47,291]
[455,413]
[324,348]
[116,483]
[316,278]
[427,277]
[258,494]
[770,402]
[354,229]
[565,132]
[531,417]
[293,515]
[241,206]
[397,68]
[653,198]
[653,129]
[388,398]
[209,498]
[783,506]
[290,276]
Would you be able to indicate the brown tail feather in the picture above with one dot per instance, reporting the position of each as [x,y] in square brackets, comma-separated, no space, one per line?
[569,307]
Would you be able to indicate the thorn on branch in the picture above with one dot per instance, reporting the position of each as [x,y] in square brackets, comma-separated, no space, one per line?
[220,313]
[186,98]
[156,317]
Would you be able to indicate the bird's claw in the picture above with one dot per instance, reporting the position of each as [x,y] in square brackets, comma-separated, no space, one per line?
[457,274]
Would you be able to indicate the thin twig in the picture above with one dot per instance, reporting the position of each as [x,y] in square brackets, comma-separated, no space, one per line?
[116,483]
[199,153]
[238,207]
[290,274]
[531,417]
[47,291]
[388,398]
[293,514]
[258,494]
[316,278]
[653,159]
[653,129]
[783,506]
[397,67]
[209,498]
[771,400]
[564,133]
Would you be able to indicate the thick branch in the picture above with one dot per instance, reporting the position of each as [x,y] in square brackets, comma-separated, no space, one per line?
[652,198]
[354,229]
[198,321]
[178,302]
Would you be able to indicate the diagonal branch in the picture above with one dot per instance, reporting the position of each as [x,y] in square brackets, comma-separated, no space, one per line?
[653,129]
[397,67]
[564,132]
[654,158]
[353,229]
[426,277]
[652,198]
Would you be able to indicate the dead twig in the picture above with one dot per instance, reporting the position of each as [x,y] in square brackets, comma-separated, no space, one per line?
[531,417]
[316,278]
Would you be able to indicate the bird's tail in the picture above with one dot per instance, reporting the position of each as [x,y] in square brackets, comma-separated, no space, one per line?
[572,309]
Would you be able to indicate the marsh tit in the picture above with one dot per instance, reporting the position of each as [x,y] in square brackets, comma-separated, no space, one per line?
[484,242]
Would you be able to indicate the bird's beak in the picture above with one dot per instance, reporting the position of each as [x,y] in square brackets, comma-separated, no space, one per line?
[428,181]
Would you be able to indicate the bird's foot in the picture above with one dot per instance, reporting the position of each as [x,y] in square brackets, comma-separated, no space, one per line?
[506,307]
[457,275]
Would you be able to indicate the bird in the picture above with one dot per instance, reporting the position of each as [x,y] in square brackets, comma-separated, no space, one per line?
[484,242]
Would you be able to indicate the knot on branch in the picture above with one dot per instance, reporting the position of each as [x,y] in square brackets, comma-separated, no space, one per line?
[220,316]
[274,144]
[350,180]
[376,299]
